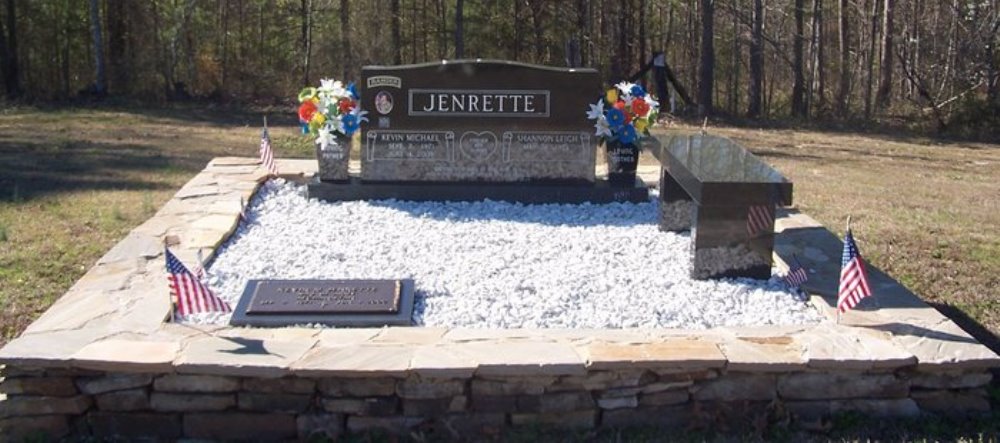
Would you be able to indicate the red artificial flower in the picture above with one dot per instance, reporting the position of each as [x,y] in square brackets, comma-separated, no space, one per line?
[620,105]
[306,111]
[346,105]
[640,107]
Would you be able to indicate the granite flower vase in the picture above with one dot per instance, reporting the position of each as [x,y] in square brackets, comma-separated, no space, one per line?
[334,158]
[622,160]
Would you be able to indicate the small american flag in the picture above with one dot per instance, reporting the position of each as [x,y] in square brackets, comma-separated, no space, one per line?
[191,295]
[266,153]
[760,219]
[796,275]
[853,279]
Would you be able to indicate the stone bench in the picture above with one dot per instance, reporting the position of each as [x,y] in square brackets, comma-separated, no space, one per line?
[726,196]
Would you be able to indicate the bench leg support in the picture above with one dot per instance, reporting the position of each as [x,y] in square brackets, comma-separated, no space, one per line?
[676,206]
[732,241]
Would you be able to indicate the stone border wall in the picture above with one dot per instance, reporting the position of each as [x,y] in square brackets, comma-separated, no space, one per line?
[102,360]
[55,403]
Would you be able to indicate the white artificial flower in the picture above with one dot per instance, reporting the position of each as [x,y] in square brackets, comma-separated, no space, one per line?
[653,104]
[327,85]
[596,110]
[625,87]
[325,137]
[601,127]
[360,114]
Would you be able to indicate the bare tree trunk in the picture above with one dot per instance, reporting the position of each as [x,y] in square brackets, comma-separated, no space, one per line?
[424,22]
[583,23]
[459,29]
[224,5]
[117,23]
[992,55]
[101,81]
[734,87]
[537,8]
[798,82]
[642,32]
[306,40]
[756,87]
[844,38]
[818,84]
[870,58]
[397,52]
[345,39]
[884,96]
[8,48]
[65,45]
[706,74]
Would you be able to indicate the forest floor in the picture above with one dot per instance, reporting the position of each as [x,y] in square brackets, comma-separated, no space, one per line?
[74,181]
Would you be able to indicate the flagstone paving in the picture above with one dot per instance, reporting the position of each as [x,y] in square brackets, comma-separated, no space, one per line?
[114,320]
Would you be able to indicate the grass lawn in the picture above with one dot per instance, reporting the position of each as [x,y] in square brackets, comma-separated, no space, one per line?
[74,181]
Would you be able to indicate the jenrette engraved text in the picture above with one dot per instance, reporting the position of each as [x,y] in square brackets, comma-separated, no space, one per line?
[498,103]
[447,102]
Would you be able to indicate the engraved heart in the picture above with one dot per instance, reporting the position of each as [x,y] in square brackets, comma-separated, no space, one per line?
[479,146]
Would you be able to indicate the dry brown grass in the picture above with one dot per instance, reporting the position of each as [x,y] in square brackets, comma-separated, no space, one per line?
[75,181]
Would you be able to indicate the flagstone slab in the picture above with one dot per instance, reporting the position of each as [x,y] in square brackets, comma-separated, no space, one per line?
[763,354]
[51,349]
[247,357]
[73,311]
[442,362]
[127,355]
[672,353]
[523,358]
[846,348]
[355,361]
[346,336]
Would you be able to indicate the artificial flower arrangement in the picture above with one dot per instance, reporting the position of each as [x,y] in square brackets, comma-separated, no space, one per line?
[329,110]
[624,114]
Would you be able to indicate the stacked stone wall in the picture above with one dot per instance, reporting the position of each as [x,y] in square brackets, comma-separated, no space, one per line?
[54,403]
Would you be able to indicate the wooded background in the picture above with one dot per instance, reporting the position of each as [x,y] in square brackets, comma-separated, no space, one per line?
[934,61]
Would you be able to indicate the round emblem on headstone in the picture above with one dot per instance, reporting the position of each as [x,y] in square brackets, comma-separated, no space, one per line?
[383,102]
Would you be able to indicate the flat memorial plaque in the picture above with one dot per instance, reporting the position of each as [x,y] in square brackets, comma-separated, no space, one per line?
[328,302]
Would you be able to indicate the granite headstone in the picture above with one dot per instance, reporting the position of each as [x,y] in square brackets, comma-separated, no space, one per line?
[478,121]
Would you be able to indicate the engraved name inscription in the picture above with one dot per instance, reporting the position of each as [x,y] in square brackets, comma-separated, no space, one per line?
[343,296]
[410,145]
[469,103]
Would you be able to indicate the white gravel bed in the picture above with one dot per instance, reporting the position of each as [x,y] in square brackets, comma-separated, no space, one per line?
[497,265]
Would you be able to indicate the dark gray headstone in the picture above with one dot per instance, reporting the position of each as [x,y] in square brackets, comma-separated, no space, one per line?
[478,120]
[328,302]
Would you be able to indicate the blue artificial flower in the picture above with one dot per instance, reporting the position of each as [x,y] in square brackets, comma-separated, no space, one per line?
[305,128]
[615,118]
[353,90]
[627,134]
[350,122]
[637,91]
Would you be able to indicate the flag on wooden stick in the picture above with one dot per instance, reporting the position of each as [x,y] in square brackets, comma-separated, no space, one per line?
[853,278]
[190,294]
[266,153]
[199,268]
[243,210]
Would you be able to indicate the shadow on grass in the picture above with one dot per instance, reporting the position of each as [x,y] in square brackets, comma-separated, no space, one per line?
[32,170]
